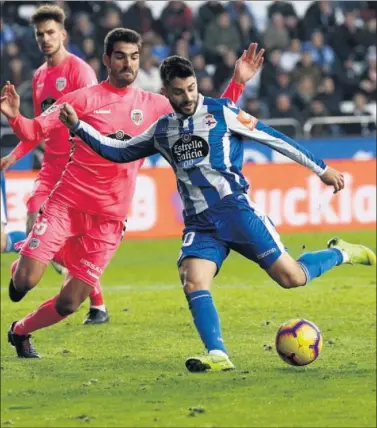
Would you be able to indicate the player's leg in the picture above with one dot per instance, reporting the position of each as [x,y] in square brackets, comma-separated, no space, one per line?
[41,191]
[97,313]
[263,245]
[200,259]
[52,311]
[49,234]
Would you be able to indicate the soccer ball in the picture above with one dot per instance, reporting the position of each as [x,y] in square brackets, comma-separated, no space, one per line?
[298,342]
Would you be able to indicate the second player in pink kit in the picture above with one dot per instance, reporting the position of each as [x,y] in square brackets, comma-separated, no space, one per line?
[59,75]
[83,220]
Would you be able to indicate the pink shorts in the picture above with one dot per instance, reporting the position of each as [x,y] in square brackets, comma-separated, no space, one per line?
[39,195]
[83,243]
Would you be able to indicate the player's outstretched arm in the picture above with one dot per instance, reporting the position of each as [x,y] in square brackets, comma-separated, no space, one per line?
[109,148]
[246,67]
[244,124]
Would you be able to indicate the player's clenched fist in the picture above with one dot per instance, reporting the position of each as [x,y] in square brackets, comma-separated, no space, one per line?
[68,115]
[334,178]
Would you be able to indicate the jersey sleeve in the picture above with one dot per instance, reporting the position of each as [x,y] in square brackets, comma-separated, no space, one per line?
[24,147]
[241,123]
[233,91]
[118,150]
[38,128]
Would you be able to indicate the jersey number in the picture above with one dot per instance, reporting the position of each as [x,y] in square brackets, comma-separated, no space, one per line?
[188,239]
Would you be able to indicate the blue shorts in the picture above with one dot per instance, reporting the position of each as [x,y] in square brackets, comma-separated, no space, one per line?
[232,224]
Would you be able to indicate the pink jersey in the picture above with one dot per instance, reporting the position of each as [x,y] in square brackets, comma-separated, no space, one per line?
[50,84]
[90,183]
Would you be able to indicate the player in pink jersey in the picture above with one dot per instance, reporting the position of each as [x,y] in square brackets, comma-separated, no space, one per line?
[82,221]
[61,74]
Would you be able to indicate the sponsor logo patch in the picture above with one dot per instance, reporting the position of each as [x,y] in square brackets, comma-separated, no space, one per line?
[266,253]
[247,120]
[189,150]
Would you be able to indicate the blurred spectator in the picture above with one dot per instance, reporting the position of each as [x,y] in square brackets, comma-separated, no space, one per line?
[256,108]
[318,109]
[368,78]
[367,37]
[306,91]
[139,17]
[199,64]
[306,68]
[319,16]
[148,77]
[290,17]
[283,85]
[6,33]
[205,86]
[248,32]
[224,71]
[283,109]
[221,36]
[276,36]
[347,37]
[183,48]
[236,8]
[365,129]
[322,54]
[348,77]
[109,20]
[268,74]
[89,48]
[95,63]
[176,18]
[73,48]
[17,72]
[207,13]
[82,28]
[291,56]
[330,95]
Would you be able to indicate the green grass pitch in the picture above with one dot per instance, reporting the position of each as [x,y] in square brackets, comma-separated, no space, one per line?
[131,373]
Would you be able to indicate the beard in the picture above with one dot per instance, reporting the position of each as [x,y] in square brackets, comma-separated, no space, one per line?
[178,108]
[121,78]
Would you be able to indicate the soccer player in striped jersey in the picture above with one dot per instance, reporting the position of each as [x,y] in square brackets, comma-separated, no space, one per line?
[202,141]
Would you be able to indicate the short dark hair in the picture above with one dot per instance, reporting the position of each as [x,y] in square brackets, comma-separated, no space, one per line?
[121,35]
[47,12]
[175,66]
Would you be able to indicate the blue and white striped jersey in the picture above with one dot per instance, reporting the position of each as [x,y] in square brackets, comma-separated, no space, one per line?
[205,150]
[3,197]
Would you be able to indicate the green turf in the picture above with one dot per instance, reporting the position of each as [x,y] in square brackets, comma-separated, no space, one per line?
[130,373]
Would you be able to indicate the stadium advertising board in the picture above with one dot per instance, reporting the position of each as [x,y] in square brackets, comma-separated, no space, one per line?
[294,198]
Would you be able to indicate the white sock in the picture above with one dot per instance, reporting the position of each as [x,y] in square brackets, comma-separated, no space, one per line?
[218,353]
[100,308]
[345,255]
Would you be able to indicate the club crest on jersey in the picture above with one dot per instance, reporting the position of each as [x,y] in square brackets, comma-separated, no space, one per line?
[61,83]
[40,228]
[137,116]
[209,121]
[189,150]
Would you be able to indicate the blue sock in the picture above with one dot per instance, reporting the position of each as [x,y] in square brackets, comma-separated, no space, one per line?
[318,262]
[206,319]
[13,238]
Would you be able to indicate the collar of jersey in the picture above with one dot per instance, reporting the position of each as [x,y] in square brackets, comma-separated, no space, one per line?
[119,91]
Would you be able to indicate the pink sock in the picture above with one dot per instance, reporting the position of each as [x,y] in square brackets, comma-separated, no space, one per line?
[44,316]
[96,298]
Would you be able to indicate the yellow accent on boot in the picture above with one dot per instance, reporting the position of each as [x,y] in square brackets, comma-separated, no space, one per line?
[357,254]
[213,363]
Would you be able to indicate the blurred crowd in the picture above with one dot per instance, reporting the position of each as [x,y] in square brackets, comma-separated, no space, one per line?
[313,62]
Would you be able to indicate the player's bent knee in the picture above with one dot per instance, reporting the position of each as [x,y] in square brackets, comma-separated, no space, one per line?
[65,307]
[24,280]
[291,280]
